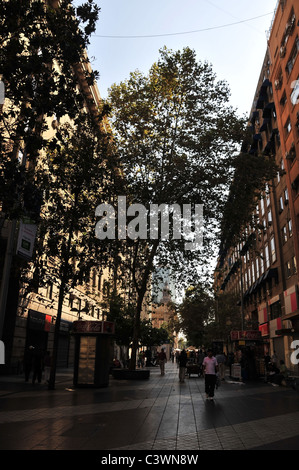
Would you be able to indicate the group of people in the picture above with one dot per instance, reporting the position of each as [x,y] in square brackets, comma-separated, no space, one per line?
[37,362]
[276,372]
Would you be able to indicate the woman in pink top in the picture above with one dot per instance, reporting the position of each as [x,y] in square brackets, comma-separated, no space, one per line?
[210,367]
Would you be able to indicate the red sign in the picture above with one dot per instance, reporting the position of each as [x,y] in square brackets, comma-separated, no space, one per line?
[264,329]
[90,326]
[251,335]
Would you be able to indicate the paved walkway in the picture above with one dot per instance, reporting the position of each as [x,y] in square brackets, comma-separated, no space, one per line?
[155,414]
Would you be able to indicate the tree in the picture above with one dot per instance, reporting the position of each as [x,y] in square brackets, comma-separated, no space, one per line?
[176,137]
[197,311]
[123,316]
[73,178]
[46,75]
[42,46]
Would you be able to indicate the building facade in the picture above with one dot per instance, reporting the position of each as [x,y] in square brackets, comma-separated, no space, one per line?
[263,268]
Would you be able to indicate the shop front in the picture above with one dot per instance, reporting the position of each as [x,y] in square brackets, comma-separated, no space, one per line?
[248,349]
[38,329]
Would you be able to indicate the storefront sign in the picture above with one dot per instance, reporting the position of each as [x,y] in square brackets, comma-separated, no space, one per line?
[26,239]
[93,327]
[251,335]
[36,320]
[264,329]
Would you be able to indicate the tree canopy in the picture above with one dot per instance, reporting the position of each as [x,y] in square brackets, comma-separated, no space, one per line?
[176,138]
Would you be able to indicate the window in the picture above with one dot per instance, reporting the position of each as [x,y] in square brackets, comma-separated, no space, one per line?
[290,228]
[275,310]
[288,269]
[284,234]
[246,281]
[267,256]
[270,217]
[288,127]
[283,99]
[292,57]
[257,268]
[49,291]
[253,272]
[286,196]
[99,282]
[295,92]
[93,279]
[273,251]
[281,206]
[262,263]
[71,300]
[262,206]
[294,265]
[267,196]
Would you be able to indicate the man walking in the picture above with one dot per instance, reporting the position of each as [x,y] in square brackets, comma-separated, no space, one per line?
[210,367]
[162,361]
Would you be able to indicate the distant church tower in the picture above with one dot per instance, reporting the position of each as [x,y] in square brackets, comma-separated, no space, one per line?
[166,297]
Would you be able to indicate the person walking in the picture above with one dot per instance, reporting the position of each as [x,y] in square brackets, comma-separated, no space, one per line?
[162,360]
[182,365]
[210,367]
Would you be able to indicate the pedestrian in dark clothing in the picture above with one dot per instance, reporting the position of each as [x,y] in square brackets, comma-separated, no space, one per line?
[162,361]
[182,365]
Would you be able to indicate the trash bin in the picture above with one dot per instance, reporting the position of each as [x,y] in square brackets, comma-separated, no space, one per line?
[92,353]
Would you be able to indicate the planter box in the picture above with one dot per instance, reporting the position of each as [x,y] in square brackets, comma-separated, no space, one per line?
[126,374]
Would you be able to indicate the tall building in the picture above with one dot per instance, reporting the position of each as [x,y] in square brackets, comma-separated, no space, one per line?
[263,267]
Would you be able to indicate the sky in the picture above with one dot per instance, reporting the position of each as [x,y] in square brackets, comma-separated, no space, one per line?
[229,34]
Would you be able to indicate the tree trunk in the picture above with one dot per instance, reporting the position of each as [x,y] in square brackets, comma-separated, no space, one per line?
[51,385]
[141,293]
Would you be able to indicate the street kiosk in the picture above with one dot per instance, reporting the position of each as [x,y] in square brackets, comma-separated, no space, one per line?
[92,353]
